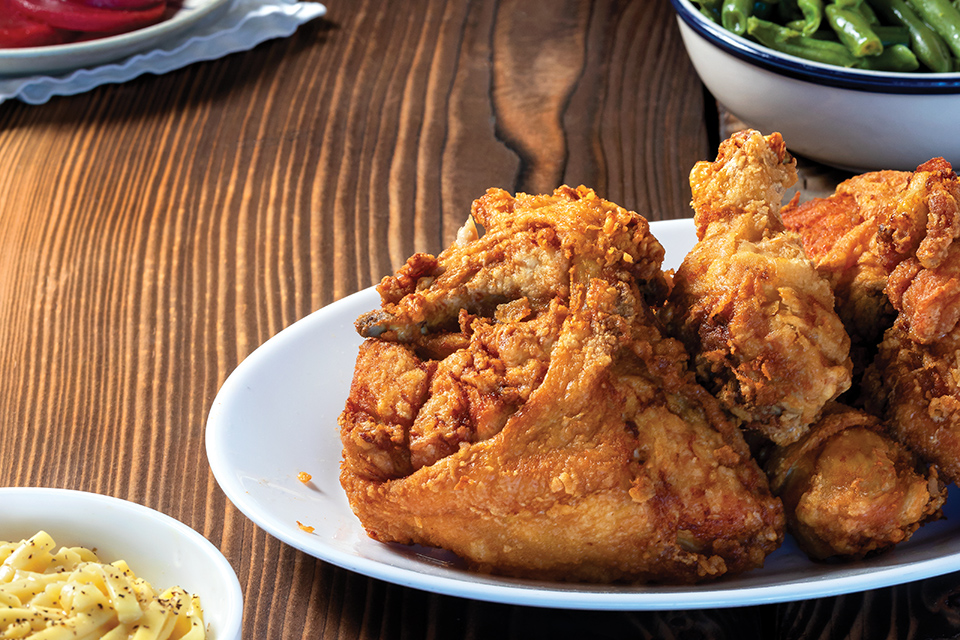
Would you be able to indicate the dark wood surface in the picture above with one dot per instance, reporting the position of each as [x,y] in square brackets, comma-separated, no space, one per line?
[153,234]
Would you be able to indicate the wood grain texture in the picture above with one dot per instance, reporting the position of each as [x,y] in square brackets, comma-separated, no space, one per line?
[153,234]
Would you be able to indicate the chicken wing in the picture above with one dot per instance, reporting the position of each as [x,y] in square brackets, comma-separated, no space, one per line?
[556,433]
[749,304]
[849,489]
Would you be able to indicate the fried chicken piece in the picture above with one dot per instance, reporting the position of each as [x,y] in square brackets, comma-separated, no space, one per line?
[849,489]
[885,241]
[839,235]
[566,440]
[749,304]
[916,387]
[528,260]
[914,382]
[920,249]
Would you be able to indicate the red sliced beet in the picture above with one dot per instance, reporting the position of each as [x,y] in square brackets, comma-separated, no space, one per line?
[128,5]
[17,31]
[76,16]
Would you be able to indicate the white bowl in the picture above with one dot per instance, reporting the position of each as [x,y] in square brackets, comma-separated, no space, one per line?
[849,118]
[157,547]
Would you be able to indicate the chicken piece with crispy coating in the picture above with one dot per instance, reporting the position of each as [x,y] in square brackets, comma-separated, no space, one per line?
[749,304]
[849,489]
[920,247]
[516,403]
[915,380]
[839,235]
[916,388]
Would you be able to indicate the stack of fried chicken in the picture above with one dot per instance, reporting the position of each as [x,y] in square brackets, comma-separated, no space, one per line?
[544,401]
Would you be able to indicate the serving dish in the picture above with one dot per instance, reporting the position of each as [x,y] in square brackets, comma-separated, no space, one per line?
[157,547]
[276,416]
[56,59]
[858,120]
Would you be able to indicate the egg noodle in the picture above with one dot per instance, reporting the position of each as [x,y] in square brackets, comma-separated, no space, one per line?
[72,595]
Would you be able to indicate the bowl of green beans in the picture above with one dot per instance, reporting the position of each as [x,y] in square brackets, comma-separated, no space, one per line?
[856,84]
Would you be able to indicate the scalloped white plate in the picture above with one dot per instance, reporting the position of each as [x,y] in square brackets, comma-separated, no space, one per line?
[59,58]
[276,415]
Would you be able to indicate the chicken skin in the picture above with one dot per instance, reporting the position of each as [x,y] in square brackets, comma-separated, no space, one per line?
[916,388]
[888,242]
[920,247]
[850,490]
[839,235]
[515,402]
[914,381]
[749,304]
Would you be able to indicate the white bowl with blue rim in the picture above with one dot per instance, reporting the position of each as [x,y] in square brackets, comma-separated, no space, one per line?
[854,119]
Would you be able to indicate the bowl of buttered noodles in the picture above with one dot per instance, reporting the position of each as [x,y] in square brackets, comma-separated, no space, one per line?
[85,565]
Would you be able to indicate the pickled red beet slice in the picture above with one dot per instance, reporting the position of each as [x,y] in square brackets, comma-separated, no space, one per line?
[17,31]
[68,14]
[129,5]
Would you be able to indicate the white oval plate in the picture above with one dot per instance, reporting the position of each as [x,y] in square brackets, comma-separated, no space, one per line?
[161,549]
[276,415]
[59,58]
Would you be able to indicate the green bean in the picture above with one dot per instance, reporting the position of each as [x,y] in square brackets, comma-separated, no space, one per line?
[853,31]
[943,18]
[929,47]
[711,13]
[889,35]
[897,57]
[710,9]
[734,15]
[812,11]
[791,42]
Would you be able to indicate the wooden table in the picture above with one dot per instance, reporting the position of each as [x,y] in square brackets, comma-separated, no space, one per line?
[153,234]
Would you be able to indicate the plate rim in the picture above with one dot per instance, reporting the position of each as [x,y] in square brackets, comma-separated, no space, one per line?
[516,591]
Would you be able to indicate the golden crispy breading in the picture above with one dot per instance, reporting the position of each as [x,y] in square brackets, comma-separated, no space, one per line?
[928,299]
[888,242]
[914,382]
[566,439]
[515,258]
[749,304]
[839,232]
[916,387]
[920,246]
[839,235]
[850,490]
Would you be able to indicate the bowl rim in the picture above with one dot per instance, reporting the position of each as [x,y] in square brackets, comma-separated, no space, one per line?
[816,72]
[232,607]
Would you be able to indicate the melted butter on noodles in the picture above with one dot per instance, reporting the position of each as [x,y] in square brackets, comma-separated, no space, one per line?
[72,595]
